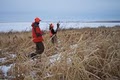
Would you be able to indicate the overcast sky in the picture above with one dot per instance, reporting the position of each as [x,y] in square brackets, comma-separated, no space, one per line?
[27,10]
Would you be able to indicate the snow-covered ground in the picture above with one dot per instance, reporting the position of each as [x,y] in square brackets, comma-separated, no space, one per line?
[26,26]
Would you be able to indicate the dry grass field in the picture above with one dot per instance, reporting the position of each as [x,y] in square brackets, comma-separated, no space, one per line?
[81,54]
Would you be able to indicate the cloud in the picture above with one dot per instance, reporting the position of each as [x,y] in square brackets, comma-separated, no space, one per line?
[58,8]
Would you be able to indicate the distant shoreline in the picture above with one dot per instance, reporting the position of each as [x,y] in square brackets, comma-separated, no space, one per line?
[91,21]
[104,22]
[68,21]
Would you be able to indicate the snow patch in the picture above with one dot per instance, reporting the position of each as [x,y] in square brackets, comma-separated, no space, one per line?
[54,58]
[13,55]
[5,69]
[74,46]
[2,59]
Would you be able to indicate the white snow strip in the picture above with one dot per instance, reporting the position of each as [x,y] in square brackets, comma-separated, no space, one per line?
[57,57]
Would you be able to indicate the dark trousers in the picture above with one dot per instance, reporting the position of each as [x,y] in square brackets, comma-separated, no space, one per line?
[54,39]
[39,47]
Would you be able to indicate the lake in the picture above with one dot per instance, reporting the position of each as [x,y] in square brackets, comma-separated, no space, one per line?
[26,26]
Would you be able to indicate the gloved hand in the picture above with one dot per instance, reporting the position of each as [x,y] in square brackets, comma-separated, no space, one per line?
[58,24]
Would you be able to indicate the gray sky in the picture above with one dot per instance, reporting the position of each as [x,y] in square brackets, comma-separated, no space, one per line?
[27,10]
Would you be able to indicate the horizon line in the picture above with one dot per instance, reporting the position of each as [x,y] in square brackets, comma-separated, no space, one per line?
[74,21]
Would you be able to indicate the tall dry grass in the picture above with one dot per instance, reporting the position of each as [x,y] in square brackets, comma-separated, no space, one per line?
[81,54]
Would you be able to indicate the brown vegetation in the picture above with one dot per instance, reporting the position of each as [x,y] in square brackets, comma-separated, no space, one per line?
[81,54]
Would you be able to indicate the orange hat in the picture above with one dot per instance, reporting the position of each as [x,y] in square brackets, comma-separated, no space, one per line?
[51,25]
[37,19]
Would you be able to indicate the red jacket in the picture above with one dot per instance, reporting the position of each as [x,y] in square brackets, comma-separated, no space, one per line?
[36,32]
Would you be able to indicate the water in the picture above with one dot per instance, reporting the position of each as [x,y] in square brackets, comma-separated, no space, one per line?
[26,26]
[19,26]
